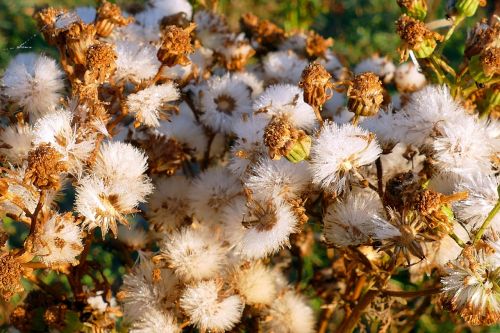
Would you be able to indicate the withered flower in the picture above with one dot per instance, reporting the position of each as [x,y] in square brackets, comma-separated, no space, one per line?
[236,52]
[101,62]
[263,32]
[176,45]
[365,94]
[316,45]
[283,139]
[11,271]
[78,38]
[180,19]
[45,166]
[316,85]
[46,21]
[109,15]
[416,37]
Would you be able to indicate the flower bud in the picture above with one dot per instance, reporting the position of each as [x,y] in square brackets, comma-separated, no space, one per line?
[414,8]
[365,95]
[465,8]
[300,150]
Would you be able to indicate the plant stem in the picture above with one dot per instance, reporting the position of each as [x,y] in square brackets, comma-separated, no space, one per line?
[350,322]
[487,222]
[409,294]
[457,239]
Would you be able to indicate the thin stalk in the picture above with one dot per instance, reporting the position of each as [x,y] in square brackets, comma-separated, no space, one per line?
[410,294]
[352,320]
[457,239]
[487,222]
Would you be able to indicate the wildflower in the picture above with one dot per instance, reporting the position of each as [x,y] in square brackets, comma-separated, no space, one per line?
[380,66]
[408,79]
[45,165]
[11,271]
[60,240]
[148,103]
[283,139]
[176,45]
[461,147]
[414,8]
[108,16]
[101,62]
[147,287]
[155,321]
[209,307]
[416,37]
[284,66]
[425,114]
[271,179]
[316,84]
[353,221]
[193,254]
[471,285]
[235,52]
[268,228]
[135,61]
[483,196]
[56,129]
[102,204]
[287,101]
[289,313]
[255,283]
[224,100]
[365,95]
[211,28]
[338,152]
[211,192]
[16,142]
[34,82]
[316,45]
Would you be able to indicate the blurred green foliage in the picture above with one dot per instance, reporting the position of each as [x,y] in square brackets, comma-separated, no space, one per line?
[359,27]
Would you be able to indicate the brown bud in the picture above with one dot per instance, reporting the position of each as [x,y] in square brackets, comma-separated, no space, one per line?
[101,62]
[176,45]
[109,15]
[45,166]
[365,94]
[316,85]
[280,136]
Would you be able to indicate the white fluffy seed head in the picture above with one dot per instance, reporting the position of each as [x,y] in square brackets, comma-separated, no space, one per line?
[255,283]
[270,179]
[60,240]
[289,313]
[225,100]
[408,78]
[288,101]
[284,66]
[135,61]
[194,254]
[147,104]
[214,189]
[356,219]
[155,321]
[338,151]
[34,82]
[209,309]
[17,140]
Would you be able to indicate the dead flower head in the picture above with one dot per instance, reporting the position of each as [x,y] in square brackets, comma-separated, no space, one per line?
[365,94]
[176,45]
[45,166]
[316,85]
[109,15]
[416,37]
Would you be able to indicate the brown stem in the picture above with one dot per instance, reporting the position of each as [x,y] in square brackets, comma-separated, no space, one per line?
[409,294]
[350,322]
[318,115]
[326,315]
[206,156]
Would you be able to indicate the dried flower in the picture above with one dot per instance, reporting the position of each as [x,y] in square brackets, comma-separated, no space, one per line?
[416,37]
[176,45]
[108,16]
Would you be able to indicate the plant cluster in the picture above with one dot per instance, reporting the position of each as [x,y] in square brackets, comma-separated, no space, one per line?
[244,154]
